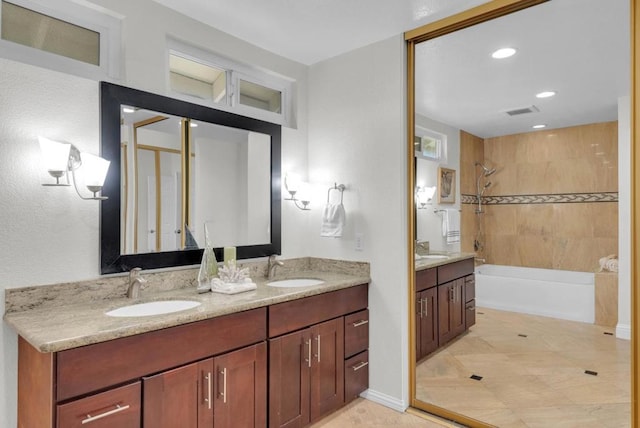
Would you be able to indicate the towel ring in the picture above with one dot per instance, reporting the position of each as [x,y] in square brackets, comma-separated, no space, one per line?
[339,187]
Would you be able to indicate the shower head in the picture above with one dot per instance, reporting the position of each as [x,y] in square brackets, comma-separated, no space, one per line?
[487,171]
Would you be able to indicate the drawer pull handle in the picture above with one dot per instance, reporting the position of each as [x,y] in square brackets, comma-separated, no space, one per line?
[224,385]
[421,303]
[118,409]
[361,322]
[360,365]
[318,339]
[308,342]
[208,399]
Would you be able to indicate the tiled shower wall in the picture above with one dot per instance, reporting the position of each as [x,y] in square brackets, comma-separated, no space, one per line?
[471,151]
[553,201]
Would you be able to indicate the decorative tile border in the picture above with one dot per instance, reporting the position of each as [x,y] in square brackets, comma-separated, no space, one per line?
[558,198]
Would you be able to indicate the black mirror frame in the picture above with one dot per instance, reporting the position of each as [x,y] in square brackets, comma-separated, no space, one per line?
[111,98]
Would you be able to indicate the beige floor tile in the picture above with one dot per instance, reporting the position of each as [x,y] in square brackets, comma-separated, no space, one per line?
[533,381]
[363,413]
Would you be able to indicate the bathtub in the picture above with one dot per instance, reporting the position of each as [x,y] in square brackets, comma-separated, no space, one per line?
[552,293]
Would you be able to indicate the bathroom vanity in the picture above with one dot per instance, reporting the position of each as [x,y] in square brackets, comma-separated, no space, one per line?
[271,357]
[445,301]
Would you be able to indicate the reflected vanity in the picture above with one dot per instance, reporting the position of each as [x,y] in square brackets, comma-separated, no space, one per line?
[176,166]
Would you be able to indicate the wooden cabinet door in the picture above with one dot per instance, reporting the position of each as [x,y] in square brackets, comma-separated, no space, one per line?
[327,367]
[427,322]
[445,297]
[170,398]
[458,307]
[289,377]
[241,388]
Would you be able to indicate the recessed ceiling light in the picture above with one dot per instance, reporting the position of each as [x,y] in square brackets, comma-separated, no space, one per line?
[128,109]
[503,53]
[539,126]
[546,94]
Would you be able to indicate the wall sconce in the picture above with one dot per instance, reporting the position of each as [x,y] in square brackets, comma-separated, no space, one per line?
[59,158]
[295,187]
[424,195]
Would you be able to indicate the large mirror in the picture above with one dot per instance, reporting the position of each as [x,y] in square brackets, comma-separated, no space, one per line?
[537,187]
[177,167]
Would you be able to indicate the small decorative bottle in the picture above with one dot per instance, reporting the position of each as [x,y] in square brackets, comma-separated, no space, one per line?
[208,266]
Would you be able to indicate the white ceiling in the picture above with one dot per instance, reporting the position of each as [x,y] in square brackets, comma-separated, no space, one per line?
[579,48]
[309,31]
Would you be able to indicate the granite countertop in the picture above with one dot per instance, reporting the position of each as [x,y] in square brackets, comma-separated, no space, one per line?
[60,327]
[427,263]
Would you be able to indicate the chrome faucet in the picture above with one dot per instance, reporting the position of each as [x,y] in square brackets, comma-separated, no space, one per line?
[272,264]
[135,282]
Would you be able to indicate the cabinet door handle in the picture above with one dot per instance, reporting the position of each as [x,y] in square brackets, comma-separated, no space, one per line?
[360,365]
[208,399]
[451,294]
[421,303]
[361,322]
[308,342]
[426,307]
[224,385]
[118,409]
[318,339]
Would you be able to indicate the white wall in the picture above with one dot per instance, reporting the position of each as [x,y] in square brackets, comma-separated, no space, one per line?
[623,329]
[49,234]
[428,223]
[357,137]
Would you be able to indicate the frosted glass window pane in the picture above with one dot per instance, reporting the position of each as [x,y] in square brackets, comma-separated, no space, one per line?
[43,32]
[197,79]
[258,96]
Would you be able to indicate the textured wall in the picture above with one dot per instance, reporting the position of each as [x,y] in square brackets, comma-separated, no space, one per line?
[471,151]
[556,165]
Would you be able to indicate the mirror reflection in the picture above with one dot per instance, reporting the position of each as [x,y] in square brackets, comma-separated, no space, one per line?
[228,186]
[534,140]
[176,166]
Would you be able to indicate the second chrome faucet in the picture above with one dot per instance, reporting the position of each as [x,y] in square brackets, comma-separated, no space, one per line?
[135,282]
[272,264]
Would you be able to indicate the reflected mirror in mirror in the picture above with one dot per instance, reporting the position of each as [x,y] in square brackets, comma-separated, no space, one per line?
[229,186]
[529,369]
[177,166]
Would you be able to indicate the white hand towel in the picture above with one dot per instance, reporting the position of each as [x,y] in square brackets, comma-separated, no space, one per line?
[333,220]
[451,225]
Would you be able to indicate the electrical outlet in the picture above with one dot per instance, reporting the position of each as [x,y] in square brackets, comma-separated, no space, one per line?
[359,242]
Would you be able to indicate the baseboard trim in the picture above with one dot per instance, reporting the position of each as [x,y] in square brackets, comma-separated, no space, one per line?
[385,400]
[623,331]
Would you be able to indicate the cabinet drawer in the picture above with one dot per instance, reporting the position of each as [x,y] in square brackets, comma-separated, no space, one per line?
[455,270]
[470,314]
[426,278]
[356,376]
[356,333]
[469,288]
[296,314]
[119,407]
[93,367]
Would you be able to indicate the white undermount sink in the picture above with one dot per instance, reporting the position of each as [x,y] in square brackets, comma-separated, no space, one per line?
[297,282]
[153,308]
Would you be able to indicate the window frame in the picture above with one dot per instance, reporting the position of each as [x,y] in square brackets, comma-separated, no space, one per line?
[235,71]
[83,15]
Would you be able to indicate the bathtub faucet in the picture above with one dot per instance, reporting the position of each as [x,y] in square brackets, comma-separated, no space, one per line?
[478,259]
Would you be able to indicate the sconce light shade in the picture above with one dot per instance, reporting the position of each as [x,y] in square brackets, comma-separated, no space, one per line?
[424,195]
[55,156]
[95,171]
[295,187]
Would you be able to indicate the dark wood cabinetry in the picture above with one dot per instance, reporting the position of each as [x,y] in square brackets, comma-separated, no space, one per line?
[211,373]
[444,305]
[225,391]
[307,366]
[451,312]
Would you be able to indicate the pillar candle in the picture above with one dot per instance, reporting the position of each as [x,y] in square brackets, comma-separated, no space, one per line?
[229,254]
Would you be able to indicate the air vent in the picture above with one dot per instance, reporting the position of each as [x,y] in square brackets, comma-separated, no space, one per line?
[524,110]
